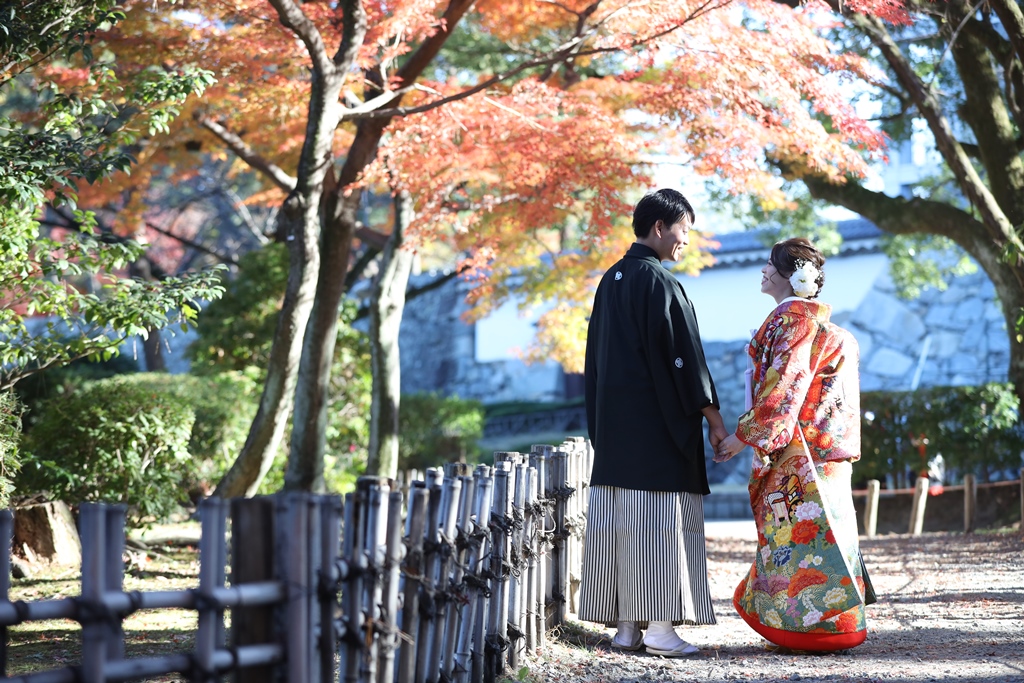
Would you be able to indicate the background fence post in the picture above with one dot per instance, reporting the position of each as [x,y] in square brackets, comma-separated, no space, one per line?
[497,618]
[477,630]
[871,508]
[1022,500]
[416,524]
[252,561]
[330,511]
[970,502]
[389,616]
[917,509]
[464,532]
[539,459]
[559,564]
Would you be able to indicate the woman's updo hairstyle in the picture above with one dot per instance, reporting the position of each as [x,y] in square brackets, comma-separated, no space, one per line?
[788,255]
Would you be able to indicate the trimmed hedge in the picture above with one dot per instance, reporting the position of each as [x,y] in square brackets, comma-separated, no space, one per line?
[146,439]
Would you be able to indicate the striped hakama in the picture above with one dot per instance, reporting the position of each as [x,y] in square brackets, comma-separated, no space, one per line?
[644,558]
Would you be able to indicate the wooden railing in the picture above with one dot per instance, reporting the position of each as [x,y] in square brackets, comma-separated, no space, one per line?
[453,581]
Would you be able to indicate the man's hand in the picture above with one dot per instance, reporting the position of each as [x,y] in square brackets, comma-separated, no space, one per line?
[727,448]
[715,435]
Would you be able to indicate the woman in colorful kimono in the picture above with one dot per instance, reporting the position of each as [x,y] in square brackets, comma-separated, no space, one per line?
[806,589]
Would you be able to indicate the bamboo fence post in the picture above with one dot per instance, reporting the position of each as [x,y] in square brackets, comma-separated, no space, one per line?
[389,616]
[252,560]
[871,508]
[350,626]
[428,589]
[291,548]
[6,538]
[574,526]
[529,616]
[464,532]
[474,647]
[517,590]
[375,492]
[497,617]
[917,509]
[94,642]
[416,524]
[539,459]
[329,515]
[114,580]
[312,506]
[560,568]
[970,502]
[212,559]
[451,497]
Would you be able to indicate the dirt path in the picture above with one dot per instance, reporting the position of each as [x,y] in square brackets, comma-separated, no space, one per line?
[951,608]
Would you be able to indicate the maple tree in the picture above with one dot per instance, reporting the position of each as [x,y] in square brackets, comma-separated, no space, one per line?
[523,164]
[70,276]
[956,71]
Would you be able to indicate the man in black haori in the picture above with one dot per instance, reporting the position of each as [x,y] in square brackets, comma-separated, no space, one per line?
[648,391]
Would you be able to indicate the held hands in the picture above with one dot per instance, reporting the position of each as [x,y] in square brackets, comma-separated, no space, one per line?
[716,433]
[727,448]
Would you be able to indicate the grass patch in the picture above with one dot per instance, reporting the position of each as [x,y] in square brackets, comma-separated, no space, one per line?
[53,644]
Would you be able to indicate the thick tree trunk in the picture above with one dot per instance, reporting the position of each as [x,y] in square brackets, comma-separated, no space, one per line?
[301,219]
[386,307]
[305,459]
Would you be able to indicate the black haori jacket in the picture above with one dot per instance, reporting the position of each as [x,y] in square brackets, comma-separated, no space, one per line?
[647,380]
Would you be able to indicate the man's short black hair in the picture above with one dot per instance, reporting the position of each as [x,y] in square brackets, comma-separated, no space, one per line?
[666,205]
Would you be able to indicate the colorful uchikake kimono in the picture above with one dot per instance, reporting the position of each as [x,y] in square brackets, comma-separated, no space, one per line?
[806,588]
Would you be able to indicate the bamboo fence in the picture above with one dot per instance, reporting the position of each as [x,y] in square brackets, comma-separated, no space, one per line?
[454,576]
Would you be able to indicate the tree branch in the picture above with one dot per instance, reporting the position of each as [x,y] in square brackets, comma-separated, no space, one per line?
[225,258]
[1012,19]
[248,155]
[292,17]
[560,54]
[352,32]
[970,182]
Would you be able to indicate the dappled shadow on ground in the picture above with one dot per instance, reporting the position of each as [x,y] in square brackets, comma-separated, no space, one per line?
[54,648]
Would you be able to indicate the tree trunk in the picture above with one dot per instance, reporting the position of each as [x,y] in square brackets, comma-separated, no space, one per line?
[267,430]
[386,307]
[305,458]
[301,219]
[153,351]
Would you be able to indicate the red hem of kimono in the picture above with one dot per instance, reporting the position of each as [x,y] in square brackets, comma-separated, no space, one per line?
[815,642]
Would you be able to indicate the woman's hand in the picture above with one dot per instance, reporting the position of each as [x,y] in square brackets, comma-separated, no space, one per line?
[727,448]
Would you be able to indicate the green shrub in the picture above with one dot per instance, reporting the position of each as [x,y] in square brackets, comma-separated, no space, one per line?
[433,430]
[114,440]
[976,430]
[35,390]
[10,436]
[224,406]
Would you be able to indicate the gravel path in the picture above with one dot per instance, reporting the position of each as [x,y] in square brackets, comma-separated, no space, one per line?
[951,608]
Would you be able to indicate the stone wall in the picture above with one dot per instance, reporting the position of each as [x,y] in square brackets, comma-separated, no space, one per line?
[439,354]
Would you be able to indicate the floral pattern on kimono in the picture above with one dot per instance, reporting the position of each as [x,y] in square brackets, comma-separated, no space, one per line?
[805,372]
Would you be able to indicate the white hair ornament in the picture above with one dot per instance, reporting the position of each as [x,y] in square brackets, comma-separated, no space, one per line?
[805,279]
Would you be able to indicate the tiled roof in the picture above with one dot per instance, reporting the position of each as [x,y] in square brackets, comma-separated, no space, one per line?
[744,247]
